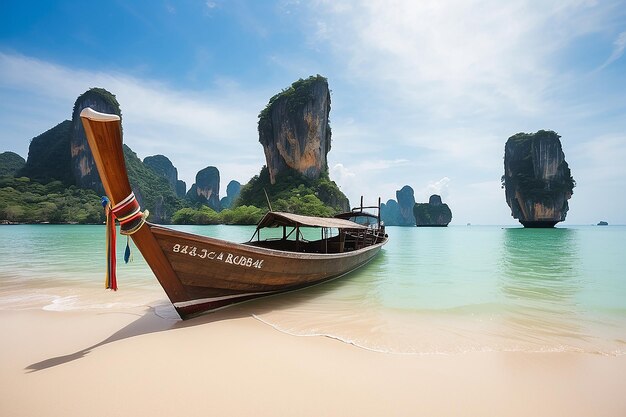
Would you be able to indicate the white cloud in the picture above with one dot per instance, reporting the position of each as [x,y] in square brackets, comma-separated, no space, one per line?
[599,160]
[436,63]
[340,173]
[454,55]
[368,178]
[439,187]
[618,49]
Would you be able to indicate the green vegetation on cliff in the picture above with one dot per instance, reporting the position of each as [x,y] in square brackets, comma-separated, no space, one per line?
[156,194]
[10,163]
[294,193]
[427,214]
[26,201]
[96,94]
[206,215]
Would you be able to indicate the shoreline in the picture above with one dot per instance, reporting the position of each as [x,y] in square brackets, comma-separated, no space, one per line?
[134,362]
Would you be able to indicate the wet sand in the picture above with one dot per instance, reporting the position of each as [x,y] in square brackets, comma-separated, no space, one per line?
[135,363]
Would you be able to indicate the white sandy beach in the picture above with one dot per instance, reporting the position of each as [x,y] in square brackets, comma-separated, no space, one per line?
[229,363]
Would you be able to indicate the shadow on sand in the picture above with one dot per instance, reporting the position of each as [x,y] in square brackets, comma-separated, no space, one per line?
[154,322]
[151,322]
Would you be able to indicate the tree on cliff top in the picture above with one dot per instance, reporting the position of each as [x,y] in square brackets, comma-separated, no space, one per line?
[99,93]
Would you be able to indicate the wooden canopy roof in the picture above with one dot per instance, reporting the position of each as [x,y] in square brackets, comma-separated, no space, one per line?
[277,218]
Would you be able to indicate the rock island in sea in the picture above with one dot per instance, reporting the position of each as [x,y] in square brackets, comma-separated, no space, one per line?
[537,179]
[295,133]
[432,214]
[400,212]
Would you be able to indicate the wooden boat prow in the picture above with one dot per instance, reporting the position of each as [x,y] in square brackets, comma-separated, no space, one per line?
[200,273]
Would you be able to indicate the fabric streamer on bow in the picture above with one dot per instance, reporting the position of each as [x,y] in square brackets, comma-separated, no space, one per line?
[131,218]
[110,281]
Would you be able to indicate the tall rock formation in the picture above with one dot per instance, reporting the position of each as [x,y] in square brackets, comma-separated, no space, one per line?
[181,188]
[151,189]
[294,129]
[49,156]
[232,192]
[206,189]
[164,167]
[406,200]
[399,212]
[295,133]
[434,213]
[537,179]
[390,213]
[83,166]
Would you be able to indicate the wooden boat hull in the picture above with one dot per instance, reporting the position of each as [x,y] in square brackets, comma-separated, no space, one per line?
[199,273]
[216,273]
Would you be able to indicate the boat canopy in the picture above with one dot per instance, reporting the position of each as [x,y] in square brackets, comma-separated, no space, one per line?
[277,218]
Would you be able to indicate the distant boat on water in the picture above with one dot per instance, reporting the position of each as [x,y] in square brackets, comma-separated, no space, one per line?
[603,223]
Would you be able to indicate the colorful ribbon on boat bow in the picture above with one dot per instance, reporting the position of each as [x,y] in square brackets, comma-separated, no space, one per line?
[131,218]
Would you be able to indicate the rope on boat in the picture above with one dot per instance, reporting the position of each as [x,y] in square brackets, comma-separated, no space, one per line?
[129,214]
[131,218]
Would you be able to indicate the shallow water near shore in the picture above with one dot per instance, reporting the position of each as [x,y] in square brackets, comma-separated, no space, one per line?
[431,290]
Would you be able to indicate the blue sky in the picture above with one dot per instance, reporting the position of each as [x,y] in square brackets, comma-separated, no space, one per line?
[424,93]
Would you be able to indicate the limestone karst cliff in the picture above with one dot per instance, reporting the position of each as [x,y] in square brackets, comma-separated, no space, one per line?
[232,192]
[537,179]
[406,200]
[151,189]
[206,189]
[181,188]
[399,212]
[164,167]
[390,213]
[432,214]
[83,166]
[294,129]
[49,158]
[295,133]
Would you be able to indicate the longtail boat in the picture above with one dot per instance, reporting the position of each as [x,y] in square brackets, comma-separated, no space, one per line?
[200,273]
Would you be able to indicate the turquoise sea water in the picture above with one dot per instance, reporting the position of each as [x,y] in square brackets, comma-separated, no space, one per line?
[431,290]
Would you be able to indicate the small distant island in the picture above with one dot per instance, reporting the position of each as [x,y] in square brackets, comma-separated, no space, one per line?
[406,212]
[432,214]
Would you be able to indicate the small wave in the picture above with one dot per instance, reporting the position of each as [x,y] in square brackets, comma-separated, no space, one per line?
[166,311]
[24,301]
[74,302]
[449,341]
